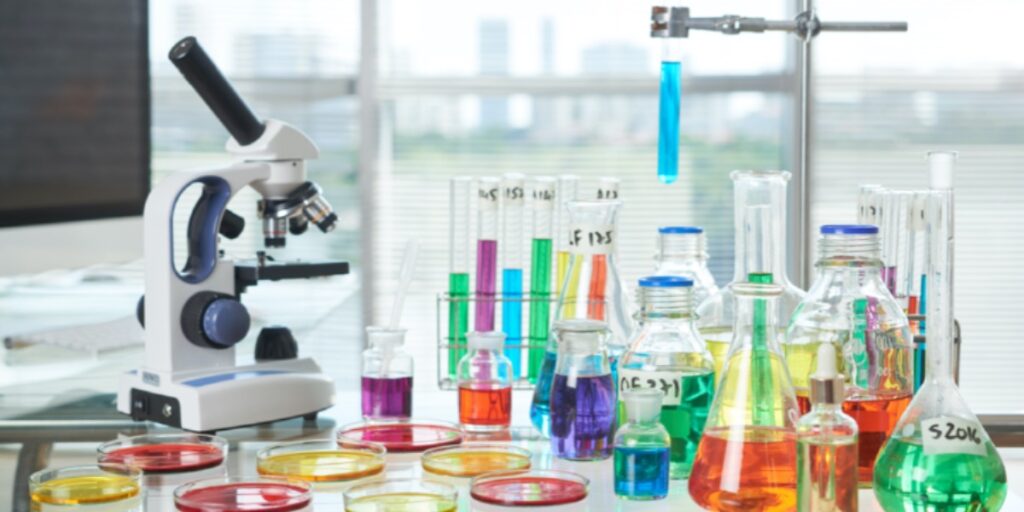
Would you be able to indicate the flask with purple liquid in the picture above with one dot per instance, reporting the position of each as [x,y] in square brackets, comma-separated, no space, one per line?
[386,375]
[582,394]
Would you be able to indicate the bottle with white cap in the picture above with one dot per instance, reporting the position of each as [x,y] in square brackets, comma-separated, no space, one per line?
[386,375]
[826,443]
[485,383]
[642,448]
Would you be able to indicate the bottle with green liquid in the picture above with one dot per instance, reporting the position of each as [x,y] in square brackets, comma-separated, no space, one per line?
[939,457]
[668,355]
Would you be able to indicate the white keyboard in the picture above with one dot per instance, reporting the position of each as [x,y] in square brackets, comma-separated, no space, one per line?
[94,338]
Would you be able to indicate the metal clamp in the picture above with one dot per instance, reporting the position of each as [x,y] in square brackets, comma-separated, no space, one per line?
[676,22]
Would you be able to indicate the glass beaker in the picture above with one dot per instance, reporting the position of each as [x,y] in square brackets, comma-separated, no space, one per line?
[759,216]
[849,306]
[582,393]
[747,457]
[591,290]
[939,456]
[668,355]
[681,252]
[386,375]
[485,384]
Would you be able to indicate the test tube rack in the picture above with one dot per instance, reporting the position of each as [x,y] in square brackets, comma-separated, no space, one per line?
[447,345]
[676,22]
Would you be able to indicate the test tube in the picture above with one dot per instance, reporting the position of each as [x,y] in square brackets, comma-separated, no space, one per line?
[511,244]
[488,191]
[460,252]
[668,112]
[567,190]
[542,210]
[608,188]
[867,211]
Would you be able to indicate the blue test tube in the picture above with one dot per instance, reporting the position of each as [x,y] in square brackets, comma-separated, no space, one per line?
[512,255]
[668,113]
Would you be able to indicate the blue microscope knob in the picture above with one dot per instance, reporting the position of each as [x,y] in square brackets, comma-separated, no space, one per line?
[214,320]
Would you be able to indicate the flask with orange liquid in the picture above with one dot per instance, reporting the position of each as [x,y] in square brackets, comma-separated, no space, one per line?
[850,307]
[746,460]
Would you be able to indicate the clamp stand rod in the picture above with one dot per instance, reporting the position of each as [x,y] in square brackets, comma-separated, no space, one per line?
[676,22]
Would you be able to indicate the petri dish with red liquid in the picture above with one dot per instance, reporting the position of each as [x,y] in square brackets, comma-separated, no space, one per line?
[402,436]
[532,488]
[247,494]
[165,453]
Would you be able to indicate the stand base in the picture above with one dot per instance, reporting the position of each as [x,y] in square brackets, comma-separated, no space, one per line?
[227,398]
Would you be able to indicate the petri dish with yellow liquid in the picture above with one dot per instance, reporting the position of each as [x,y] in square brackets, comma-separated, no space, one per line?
[404,495]
[471,460]
[85,485]
[322,461]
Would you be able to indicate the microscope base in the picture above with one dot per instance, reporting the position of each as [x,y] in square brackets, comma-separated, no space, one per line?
[227,398]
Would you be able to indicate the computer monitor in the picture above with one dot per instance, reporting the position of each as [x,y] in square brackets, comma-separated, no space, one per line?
[74,110]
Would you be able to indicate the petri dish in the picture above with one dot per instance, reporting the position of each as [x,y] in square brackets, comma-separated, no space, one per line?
[246,494]
[322,461]
[532,488]
[85,485]
[469,460]
[404,495]
[402,436]
[165,453]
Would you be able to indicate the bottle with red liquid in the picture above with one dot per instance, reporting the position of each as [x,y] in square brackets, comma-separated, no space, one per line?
[386,375]
[485,384]
[746,460]
[850,307]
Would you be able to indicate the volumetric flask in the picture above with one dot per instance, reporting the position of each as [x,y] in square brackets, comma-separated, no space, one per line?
[582,393]
[850,308]
[747,457]
[939,456]
[759,215]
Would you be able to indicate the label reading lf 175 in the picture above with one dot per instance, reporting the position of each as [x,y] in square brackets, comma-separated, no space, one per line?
[592,239]
[947,434]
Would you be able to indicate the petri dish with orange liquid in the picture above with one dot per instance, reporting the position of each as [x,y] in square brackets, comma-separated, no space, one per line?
[402,495]
[469,460]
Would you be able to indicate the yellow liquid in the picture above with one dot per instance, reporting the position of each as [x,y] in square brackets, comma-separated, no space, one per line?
[717,340]
[322,466]
[561,267]
[743,396]
[569,305]
[85,490]
[802,361]
[401,502]
[893,367]
[474,463]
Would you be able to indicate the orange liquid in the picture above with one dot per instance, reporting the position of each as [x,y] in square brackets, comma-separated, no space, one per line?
[745,469]
[875,421]
[485,406]
[828,477]
[598,280]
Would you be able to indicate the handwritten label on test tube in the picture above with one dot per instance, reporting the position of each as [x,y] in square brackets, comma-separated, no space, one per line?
[948,434]
[669,383]
[592,239]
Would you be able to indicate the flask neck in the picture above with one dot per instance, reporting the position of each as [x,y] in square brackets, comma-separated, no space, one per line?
[857,248]
[756,321]
[759,218]
[681,248]
[669,303]
[940,333]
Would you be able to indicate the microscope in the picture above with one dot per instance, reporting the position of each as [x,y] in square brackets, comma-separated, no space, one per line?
[192,313]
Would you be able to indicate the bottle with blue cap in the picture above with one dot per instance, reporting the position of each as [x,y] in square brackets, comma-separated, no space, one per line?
[681,252]
[668,354]
[850,307]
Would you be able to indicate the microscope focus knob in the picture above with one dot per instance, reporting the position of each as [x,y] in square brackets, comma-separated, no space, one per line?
[214,320]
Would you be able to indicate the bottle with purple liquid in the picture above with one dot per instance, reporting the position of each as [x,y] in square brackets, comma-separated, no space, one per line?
[386,375]
[582,394]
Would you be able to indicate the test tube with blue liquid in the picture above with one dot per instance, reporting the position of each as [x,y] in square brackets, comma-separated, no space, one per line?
[512,248]
[486,251]
[668,112]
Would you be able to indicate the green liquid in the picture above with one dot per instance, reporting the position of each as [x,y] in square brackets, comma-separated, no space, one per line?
[685,422]
[908,480]
[764,413]
[540,307]
[458,319]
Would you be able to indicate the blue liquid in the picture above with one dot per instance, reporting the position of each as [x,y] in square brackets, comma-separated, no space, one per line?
[582,417]
[512,315]
[668,122]
[540,408]
[641,473]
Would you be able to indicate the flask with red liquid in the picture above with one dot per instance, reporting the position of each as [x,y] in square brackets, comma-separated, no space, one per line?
[386,375]
[485,383]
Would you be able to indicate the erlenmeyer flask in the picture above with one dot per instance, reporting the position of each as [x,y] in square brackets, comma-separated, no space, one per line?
[759,216]
[591,290]
[850,307]
[939,456]
[747,457]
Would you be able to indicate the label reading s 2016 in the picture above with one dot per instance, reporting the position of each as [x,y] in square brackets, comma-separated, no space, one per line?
[947,434]
[592,238]
[669,383]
